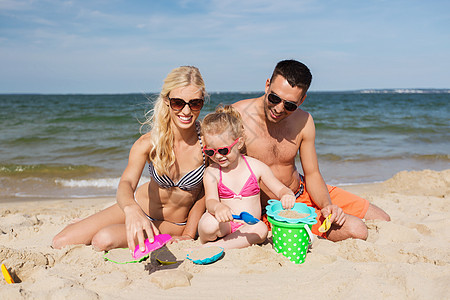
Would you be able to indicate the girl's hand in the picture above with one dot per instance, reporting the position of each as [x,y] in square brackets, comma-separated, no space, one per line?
[338,216]
[178,238]
[136,222]
[223,213]
[288,201]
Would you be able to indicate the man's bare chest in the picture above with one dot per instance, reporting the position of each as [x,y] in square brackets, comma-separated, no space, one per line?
[271,148]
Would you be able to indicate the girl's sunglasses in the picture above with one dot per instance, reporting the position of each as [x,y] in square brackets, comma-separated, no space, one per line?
[178,104]
[275,99]
[222,151]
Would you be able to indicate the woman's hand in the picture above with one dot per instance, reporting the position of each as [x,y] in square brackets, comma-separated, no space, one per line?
[136,222]
[338,216]
[223,213]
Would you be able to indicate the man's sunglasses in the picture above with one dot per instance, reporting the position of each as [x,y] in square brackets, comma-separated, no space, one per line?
[275,99]
[178,104]
[222,151]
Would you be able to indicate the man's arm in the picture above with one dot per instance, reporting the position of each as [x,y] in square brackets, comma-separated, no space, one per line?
[315,185]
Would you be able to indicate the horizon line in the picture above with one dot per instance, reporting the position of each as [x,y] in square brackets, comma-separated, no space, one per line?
[367,90]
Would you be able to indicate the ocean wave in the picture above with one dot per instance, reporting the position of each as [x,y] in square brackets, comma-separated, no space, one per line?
[93,119]
[42,170]
[54,188]
[99,183]
[330,157]
[29,140]
[378,128]
[93,150]
[365,158]
[94,182]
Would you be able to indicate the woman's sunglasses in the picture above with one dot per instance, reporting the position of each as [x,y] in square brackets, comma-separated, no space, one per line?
[222,151]
[275,99]
[178,104]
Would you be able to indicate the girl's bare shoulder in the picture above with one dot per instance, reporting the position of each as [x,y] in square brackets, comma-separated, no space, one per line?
[211,172]
[256,164]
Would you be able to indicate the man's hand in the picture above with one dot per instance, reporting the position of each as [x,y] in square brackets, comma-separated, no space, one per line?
[338,216]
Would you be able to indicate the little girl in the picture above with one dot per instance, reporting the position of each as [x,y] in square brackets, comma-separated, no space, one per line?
[232,184]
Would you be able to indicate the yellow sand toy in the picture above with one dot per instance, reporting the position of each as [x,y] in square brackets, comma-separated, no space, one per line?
[6,274]
[326,225]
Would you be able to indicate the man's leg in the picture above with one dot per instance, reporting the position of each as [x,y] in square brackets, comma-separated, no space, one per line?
[376,213]
[353,228]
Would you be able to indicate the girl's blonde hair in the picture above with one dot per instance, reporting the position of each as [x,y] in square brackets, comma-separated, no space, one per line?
[223,119]
[162,155]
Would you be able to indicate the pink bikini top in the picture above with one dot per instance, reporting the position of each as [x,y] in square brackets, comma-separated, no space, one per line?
[250,188]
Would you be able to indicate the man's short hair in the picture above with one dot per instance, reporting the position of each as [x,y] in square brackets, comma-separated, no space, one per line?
[296,73]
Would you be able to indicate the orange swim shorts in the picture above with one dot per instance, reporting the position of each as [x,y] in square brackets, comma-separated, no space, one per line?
[350,204]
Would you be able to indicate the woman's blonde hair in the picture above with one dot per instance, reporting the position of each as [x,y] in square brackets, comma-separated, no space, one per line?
[223,119]
[162,155]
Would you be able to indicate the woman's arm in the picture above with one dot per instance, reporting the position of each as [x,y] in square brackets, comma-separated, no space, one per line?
[136,222]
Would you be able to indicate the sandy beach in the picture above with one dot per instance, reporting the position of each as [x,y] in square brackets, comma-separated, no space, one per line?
[407,258]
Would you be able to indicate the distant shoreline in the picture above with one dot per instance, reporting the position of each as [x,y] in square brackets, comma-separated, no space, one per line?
[357,91]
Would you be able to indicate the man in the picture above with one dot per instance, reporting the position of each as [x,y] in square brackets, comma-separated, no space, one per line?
[277,130]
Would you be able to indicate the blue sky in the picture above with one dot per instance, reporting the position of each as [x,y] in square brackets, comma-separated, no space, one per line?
[113,46]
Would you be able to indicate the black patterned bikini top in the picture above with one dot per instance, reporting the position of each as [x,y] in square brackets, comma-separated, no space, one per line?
[189,181]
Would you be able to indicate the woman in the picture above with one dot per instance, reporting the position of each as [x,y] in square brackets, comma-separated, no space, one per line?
[173,201]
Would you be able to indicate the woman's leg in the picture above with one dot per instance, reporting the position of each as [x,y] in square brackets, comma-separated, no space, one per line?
[83,232]
[110,237]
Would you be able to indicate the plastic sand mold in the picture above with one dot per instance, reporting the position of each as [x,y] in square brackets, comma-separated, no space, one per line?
[160,240]
[274,208]
[207,255]
[165,257]
[123,256]
[6,274]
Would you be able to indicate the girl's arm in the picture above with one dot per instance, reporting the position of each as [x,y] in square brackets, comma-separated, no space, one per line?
[216,208]
[283,193]
[136,222]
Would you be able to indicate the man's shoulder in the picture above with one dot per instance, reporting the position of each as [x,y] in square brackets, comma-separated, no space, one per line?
[244,102]
[300,113]
[247,107]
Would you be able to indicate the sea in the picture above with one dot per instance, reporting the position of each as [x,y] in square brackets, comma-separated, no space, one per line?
[77,145]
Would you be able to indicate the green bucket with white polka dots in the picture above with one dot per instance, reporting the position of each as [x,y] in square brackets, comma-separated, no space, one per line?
[291,239]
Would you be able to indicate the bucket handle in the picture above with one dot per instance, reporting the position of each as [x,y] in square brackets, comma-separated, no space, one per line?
[310,234]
